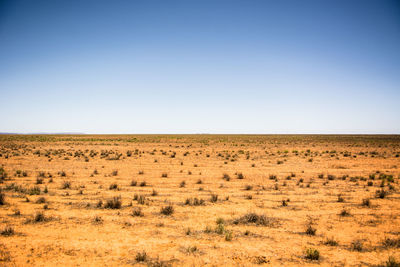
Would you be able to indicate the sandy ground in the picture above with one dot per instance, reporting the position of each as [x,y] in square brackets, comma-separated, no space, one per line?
[289,184]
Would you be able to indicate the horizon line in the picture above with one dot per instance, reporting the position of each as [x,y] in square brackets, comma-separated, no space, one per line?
[79,133]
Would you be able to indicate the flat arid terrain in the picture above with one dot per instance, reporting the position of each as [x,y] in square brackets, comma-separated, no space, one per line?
[199,200]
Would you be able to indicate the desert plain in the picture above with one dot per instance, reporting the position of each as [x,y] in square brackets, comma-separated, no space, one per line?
[199,200]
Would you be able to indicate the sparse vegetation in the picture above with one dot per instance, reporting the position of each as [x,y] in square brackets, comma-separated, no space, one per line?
[39,217]
[97,220]
[381,193]
[7,231]
[310,230]
[391,262]
[331,242]
[196,211]
[194,201]
[357,245]
[214,198]
[257,219]
[167,210]
[391,242]
[344,213]
[141,256]
[366,202]
[66,185]
[113,203]
[3,174]
[137,212]
[312,254]
[41,200]
[113,186]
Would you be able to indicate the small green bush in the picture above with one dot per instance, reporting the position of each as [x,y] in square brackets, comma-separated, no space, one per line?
[312,254]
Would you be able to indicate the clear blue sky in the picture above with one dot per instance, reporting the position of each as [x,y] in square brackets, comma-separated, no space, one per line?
[200,66]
